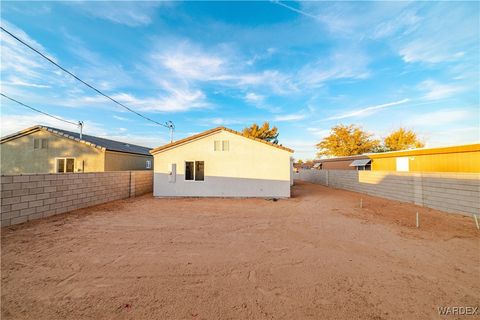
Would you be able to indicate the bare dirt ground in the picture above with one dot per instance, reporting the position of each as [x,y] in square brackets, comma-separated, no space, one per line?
[314,256]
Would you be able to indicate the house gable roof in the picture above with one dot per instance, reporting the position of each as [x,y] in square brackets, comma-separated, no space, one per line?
[212,131]
[93,141]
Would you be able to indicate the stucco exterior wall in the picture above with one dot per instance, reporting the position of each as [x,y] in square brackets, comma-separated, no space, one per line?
[19,156]
[249,169]
[118,161]
[448,162]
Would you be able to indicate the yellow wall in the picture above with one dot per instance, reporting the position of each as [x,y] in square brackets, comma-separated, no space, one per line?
[118,161]
[446,162]
[246,158]
[19,156]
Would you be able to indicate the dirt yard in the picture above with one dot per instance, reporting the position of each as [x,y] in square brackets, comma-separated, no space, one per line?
[314,256]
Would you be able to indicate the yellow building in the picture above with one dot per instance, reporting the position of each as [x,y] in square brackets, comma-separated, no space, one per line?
[464,158]
[222,163]
[42,149]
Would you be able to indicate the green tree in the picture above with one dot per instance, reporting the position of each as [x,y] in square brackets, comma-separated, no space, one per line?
[264,132]
[346,141]
[402,139]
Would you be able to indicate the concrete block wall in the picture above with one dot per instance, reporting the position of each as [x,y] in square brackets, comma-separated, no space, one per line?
[450,192]
[142,183]
[33,196]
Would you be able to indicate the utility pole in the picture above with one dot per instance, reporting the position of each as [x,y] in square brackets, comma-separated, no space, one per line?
[171,127]
[80,125]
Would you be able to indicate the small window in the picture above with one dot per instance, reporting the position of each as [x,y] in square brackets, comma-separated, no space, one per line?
[65,165]
[60,165]
[148,164]
[189,170]
[217,145]
[225,145]
[199,168]
[70,165]
[36,143]
[44,143]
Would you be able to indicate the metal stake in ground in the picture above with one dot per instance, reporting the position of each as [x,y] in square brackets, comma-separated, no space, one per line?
[476,220]
[361,203]
[418,221]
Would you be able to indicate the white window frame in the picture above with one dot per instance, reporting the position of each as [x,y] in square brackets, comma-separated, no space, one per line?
[65,164]
[227,143]
[194,169]
[148,164]
[219,144]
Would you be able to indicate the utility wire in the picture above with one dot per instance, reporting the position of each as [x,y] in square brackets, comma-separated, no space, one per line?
[85,83]
[39,111]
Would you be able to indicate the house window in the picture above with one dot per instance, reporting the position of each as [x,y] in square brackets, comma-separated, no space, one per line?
[148,164]
[65,165]
[189,170]
[40,143]
[225,145]
[199,174]
[367,167]
[194,170]
[217,146]
[221,145]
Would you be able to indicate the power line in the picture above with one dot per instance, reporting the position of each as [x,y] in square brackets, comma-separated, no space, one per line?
[170,126]
[39,111]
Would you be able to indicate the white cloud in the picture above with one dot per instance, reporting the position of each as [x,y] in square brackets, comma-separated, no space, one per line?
[254,98]
[319,132]
[453,136]
[440,117]
[132,14]
[343,64]
[177,100]
[427,51]
[189,64]
[368,110]
[435,91]
[289,117]
[121,118]
[445,40]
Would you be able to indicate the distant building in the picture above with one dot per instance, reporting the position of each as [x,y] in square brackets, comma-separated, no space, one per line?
[344,163]
[462,158]
[222,163]
[42,149]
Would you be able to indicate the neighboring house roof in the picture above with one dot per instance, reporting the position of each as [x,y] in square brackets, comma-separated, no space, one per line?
[96,142]
[346,158]
[212,131]
[426,151]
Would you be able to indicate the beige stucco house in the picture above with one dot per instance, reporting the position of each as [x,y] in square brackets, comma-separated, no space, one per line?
[42,149]
[222,163]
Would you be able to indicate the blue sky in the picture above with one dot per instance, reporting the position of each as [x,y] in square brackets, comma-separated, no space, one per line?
[302,66]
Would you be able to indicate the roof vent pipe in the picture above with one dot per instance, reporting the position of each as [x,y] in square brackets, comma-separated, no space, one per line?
[80,125]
